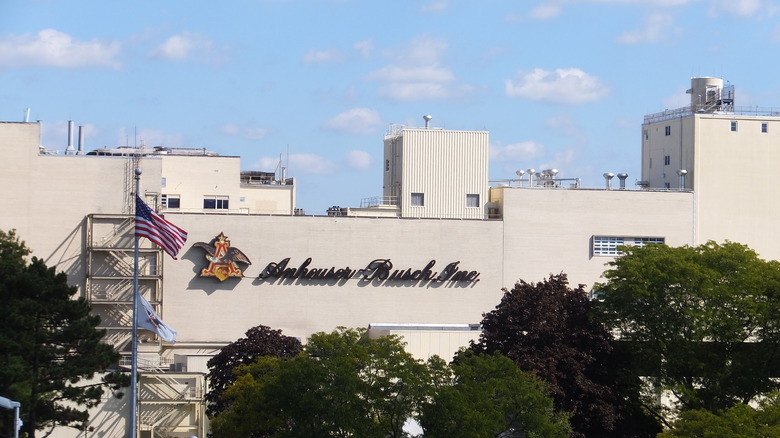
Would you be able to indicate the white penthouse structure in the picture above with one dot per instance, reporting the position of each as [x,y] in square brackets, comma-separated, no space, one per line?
[425,260]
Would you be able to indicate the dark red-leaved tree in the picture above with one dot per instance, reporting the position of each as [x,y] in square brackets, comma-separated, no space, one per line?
[259,341]
[547,330]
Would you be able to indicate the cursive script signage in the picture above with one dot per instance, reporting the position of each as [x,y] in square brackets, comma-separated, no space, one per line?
[378,270]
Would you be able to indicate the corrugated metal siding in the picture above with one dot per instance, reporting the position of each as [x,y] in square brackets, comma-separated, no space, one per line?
[445,166]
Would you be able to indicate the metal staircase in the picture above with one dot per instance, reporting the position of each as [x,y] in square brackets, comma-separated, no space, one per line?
[169,402]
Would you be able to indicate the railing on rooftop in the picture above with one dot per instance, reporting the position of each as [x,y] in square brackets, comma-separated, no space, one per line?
[708,109]
[376,201]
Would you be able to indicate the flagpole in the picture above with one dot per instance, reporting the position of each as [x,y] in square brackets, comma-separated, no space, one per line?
[134,366]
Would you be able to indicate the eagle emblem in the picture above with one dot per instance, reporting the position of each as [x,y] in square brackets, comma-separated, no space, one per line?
[222,258]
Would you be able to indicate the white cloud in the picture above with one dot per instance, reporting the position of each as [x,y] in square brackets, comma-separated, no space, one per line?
[360,160]
[744,8]
[572,86]
[183,46]
[545,11]
[677,100]
[417,73]
[520,152]
[297,164]
[323,56]
[436,6]
[250,133]
[657,27]
[53,48]
[355,121]
[364,47]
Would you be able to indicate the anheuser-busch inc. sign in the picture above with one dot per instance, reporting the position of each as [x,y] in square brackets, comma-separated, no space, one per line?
[377,270]
[224,263]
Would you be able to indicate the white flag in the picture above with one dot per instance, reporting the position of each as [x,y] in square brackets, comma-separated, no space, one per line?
[148,319]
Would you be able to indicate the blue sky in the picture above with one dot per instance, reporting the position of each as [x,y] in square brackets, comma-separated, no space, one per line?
[559,84]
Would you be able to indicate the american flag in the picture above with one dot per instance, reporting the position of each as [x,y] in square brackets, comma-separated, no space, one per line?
[150,225]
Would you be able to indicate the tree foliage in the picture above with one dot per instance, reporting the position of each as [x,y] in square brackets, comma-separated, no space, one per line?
[344,384]
[489,396]
[738,421]
[259,341]
[546,329]
[704,320]
[49,343]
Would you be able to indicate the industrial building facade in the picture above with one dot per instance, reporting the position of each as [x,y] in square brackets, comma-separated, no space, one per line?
[424,261]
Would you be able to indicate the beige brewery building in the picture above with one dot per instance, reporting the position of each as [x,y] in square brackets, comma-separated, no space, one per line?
[424,260]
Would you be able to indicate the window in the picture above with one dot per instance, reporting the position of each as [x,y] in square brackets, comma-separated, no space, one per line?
[764,127]
[667,160]
[418,199]
[472,200]
[668,130]
[647,135]
[642,241]
[733,126]
[387,165]
[170,201]
[608,245]
[215,202]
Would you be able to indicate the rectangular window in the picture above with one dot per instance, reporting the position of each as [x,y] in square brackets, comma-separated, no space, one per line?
[642,241]
[606,245]
[733,126]
[472,200]
[418,199]
[215,202]
[667,160]
[387,165]
[647,135]
[170,201]
[668,130]
[764,127]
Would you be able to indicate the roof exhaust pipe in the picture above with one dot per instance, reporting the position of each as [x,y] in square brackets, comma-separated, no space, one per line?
[608,179]
[622,177]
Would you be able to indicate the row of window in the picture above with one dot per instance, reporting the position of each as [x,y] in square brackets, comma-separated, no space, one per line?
[418,200]
[734,125]
[209,202]
[608,245]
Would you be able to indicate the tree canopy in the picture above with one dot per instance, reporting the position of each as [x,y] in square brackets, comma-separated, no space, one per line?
[343,384]
[738,421]
[347,384]
[49,342]
[487,395]
[259,341]
[703,320]
[547,329]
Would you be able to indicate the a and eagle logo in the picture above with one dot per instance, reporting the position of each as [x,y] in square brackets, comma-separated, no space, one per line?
[222,258]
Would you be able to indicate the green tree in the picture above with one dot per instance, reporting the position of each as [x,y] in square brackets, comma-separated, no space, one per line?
[702,321]
[547,329]
[344,384]
[259,341]
[738,421]
[49,343]
[489,396]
